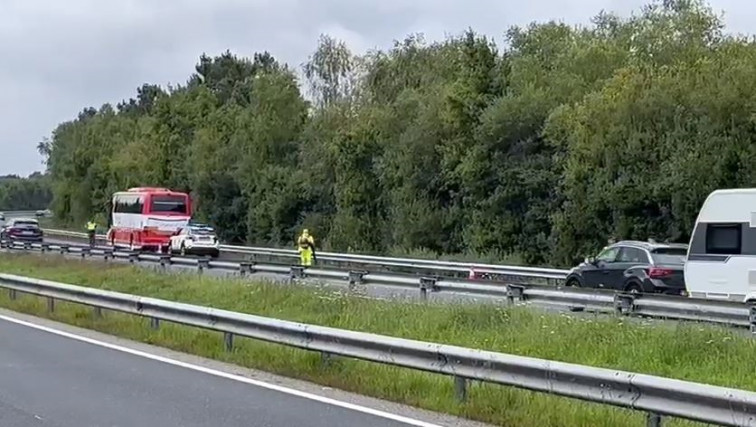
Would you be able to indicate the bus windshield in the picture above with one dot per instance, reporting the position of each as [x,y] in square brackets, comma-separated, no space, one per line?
[169,204]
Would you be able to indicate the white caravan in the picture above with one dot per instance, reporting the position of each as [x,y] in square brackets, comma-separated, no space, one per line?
[721,260]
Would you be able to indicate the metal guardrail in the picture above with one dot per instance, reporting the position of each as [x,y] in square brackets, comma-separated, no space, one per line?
[19,214]
[452,267]
[729,313]
[657,396]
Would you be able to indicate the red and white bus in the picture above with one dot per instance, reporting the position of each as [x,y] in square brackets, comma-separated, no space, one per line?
[145,218]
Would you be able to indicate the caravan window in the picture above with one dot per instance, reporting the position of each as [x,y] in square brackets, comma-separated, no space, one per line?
[723,239]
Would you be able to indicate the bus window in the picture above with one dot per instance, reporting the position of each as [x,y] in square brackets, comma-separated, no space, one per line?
[169,204]
[128,204]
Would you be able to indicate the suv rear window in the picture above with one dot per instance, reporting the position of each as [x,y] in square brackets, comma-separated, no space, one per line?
[202,231]
[669,255]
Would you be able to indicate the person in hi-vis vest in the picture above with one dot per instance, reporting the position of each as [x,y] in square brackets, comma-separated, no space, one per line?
[91,230]
[306,247]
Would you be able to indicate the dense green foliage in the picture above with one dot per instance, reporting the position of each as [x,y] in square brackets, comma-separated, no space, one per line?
[542,149]
[24,194]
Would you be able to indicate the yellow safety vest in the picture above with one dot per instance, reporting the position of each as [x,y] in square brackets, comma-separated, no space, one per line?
[306,242]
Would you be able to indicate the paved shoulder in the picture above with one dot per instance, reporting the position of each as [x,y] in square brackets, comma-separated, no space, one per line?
[52,380]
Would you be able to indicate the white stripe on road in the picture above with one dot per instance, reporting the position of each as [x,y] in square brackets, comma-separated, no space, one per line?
[293,392]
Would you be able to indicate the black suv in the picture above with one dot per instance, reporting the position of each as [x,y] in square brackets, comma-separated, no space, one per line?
[634,267]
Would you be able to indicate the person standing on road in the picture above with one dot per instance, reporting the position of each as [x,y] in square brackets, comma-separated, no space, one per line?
[306,247]
[91,230]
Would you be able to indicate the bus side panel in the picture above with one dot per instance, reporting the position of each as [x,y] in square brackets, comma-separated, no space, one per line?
[137,228]
[126,227]
[147,204]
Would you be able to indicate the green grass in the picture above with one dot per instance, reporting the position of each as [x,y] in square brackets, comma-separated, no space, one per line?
[687,351]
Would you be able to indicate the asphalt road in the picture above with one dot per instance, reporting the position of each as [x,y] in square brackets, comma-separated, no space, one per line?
[52,380]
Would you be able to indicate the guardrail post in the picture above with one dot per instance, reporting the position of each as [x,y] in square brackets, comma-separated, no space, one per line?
[12,294]
[107,253]
[426,284]
[653,420]
[624,303]
[203,264]
[85,252]
[154,323]
[245,268]
[133,257]
[50,304]
[228,341]
[27,246]
[64,249]
[752,317]
[98,312]
[355,278]
[44,247]
[326,358]
[515,293]
[165,260]
[297,272]
[460,388]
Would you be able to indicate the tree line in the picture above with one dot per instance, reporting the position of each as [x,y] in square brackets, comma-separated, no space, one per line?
[538,150]
[25,194]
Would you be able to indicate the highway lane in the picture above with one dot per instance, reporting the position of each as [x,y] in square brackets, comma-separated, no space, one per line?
[375,291]
[51,380]
[235,256]
[390,293]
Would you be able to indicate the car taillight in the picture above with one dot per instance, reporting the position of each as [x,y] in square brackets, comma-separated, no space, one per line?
[658,273]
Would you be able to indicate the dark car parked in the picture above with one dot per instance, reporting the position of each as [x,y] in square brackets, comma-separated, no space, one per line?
[634,267]
[21,229]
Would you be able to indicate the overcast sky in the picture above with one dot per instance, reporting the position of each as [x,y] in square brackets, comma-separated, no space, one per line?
[58,56]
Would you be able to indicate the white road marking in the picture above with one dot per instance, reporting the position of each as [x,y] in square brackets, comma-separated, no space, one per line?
[291,391]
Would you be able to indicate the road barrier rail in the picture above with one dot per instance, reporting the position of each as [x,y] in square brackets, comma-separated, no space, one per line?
[729,313]
[444,268]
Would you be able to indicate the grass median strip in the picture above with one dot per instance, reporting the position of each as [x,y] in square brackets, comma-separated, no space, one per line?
[687,351]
